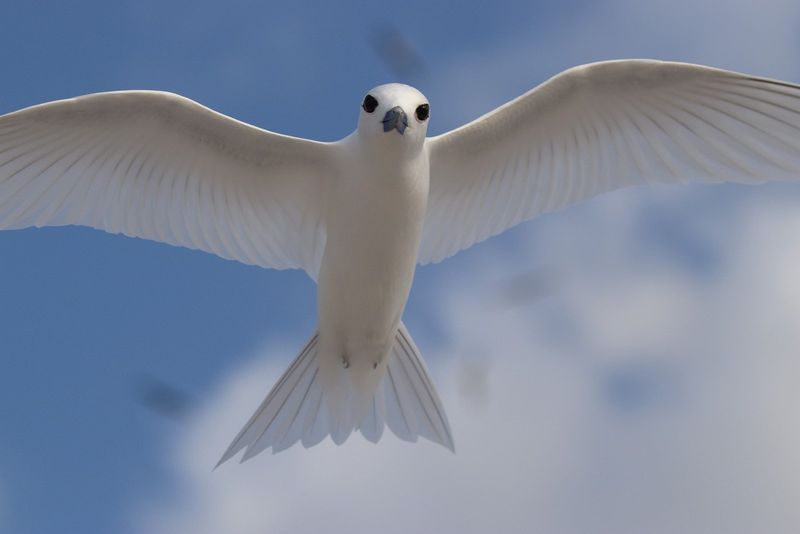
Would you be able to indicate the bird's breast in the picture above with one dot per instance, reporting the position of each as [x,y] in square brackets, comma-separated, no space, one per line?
[374,228]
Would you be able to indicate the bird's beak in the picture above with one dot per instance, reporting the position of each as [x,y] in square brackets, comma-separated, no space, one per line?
[395,119]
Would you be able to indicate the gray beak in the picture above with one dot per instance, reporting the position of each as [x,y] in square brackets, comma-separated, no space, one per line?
[395,119]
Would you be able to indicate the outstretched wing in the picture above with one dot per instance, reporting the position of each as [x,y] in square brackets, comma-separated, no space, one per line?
[159,166]
[600,127]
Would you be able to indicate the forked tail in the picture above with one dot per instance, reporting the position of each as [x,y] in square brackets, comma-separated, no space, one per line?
[296,410]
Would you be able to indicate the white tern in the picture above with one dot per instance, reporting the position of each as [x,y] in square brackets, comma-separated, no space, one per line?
[359,214]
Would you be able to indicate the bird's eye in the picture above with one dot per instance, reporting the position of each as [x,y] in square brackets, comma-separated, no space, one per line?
[423,112]
[369,104]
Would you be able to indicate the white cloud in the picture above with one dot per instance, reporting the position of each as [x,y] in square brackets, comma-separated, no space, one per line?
[643,397]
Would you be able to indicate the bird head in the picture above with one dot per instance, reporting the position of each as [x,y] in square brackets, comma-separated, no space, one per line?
[394,114]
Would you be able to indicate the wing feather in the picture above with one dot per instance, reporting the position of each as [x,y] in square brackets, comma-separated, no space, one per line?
[159,166]
[600,127]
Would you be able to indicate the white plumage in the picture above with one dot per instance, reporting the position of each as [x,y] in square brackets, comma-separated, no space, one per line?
[162,167]
[360,213]
[600,127]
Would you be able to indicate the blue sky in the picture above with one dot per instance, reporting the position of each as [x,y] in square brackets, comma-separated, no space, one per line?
[89,320]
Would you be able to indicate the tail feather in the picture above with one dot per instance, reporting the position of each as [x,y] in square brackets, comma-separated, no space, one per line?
[264,418]
[317,425]
[418,408]
[287,428]
[399,418]
[372,425]
[340,432]
[296,430]
[296,408]
[281,416]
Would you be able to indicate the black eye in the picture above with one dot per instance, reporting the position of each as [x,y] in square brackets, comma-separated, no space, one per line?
[423,112]
[369,104]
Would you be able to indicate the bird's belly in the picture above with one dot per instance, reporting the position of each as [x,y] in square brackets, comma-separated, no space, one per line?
[364,285]
[367,270]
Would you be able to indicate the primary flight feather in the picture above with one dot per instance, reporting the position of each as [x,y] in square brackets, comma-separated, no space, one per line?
[359,214]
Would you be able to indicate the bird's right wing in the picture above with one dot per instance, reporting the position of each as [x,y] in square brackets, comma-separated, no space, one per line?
[600,127]
[159,166]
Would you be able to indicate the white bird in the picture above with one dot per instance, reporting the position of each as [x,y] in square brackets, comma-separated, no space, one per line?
[358,214]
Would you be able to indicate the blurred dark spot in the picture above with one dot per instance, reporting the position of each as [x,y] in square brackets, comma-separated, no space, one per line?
[473,379]
[666,236]
[163,399]
[528,287]
[397,53]
[636,387]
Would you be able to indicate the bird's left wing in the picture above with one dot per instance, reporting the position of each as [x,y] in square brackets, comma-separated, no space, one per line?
[159,166]
[600,127]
